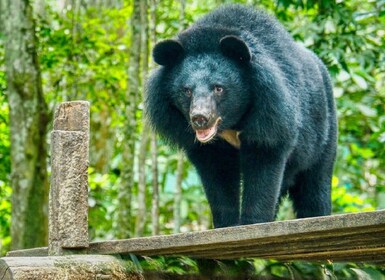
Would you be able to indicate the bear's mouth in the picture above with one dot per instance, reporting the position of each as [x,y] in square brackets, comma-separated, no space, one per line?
[205,135]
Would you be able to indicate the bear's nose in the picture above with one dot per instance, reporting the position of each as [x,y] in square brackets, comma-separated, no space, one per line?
[199,121]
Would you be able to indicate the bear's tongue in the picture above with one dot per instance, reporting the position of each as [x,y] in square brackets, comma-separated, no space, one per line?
[206,135]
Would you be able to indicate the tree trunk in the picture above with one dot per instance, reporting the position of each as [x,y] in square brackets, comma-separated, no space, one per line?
[155,186]
[154,145]
[28,124]
[141,215]
[145,135]
[178,193]
[180,166]
[102,137]
[39,8]
[123,227]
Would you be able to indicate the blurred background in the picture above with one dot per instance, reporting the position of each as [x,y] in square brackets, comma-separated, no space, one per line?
[100,51]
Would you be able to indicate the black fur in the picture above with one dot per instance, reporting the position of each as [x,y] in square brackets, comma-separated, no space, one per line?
[240,67]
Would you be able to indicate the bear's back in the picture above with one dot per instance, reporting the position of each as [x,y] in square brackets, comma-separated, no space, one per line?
[240,17]
[258,29]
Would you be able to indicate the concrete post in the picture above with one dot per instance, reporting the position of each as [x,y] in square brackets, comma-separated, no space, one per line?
[68,200]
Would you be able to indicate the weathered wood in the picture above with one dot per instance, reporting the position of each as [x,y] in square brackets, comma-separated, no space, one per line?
[356,237]
[77,267]
[68,202]
[324,238]
[72,116]
[33,252]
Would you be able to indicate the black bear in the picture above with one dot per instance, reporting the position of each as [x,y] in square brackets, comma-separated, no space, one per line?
[252,109]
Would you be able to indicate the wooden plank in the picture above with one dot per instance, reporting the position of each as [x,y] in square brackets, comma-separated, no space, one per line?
[358,237]
[5,271]
[76,267]
[34,252]
[271,240]
[303,244]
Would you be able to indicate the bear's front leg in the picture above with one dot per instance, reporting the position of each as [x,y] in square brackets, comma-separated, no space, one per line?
[218,167]
[262,169]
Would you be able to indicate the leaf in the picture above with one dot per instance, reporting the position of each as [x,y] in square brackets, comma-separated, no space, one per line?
[367,275]
[330,27]
[366,110]
[338,92]
[381,138]
[335,181]
[361,82]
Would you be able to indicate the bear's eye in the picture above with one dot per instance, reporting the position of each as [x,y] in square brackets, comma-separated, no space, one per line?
[187,91]
[218,90]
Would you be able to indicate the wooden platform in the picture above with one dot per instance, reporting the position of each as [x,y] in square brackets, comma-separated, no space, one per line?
[349,237]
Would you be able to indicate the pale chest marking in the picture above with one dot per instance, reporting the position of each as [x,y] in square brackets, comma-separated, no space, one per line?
[231,137]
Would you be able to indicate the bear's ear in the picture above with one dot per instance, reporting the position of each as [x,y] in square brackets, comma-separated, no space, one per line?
[167,52]
[235,47]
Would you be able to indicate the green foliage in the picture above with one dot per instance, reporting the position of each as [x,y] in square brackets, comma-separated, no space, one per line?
[5,163]
[102,204]
[263,269]
[179,265]
[306,270]
[84,55]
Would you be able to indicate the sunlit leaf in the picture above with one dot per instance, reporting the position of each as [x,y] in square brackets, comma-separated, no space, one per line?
[366,110]
[360,81]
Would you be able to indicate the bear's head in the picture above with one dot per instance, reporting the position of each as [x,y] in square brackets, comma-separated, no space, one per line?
[210,88]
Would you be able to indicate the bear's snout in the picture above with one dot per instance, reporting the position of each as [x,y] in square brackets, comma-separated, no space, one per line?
[203,112]
[199,121]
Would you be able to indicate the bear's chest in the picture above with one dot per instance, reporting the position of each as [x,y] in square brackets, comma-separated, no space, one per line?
[231,137]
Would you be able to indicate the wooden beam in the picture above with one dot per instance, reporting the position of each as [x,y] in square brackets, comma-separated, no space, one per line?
[358,237]
[77,267]
[323,238]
